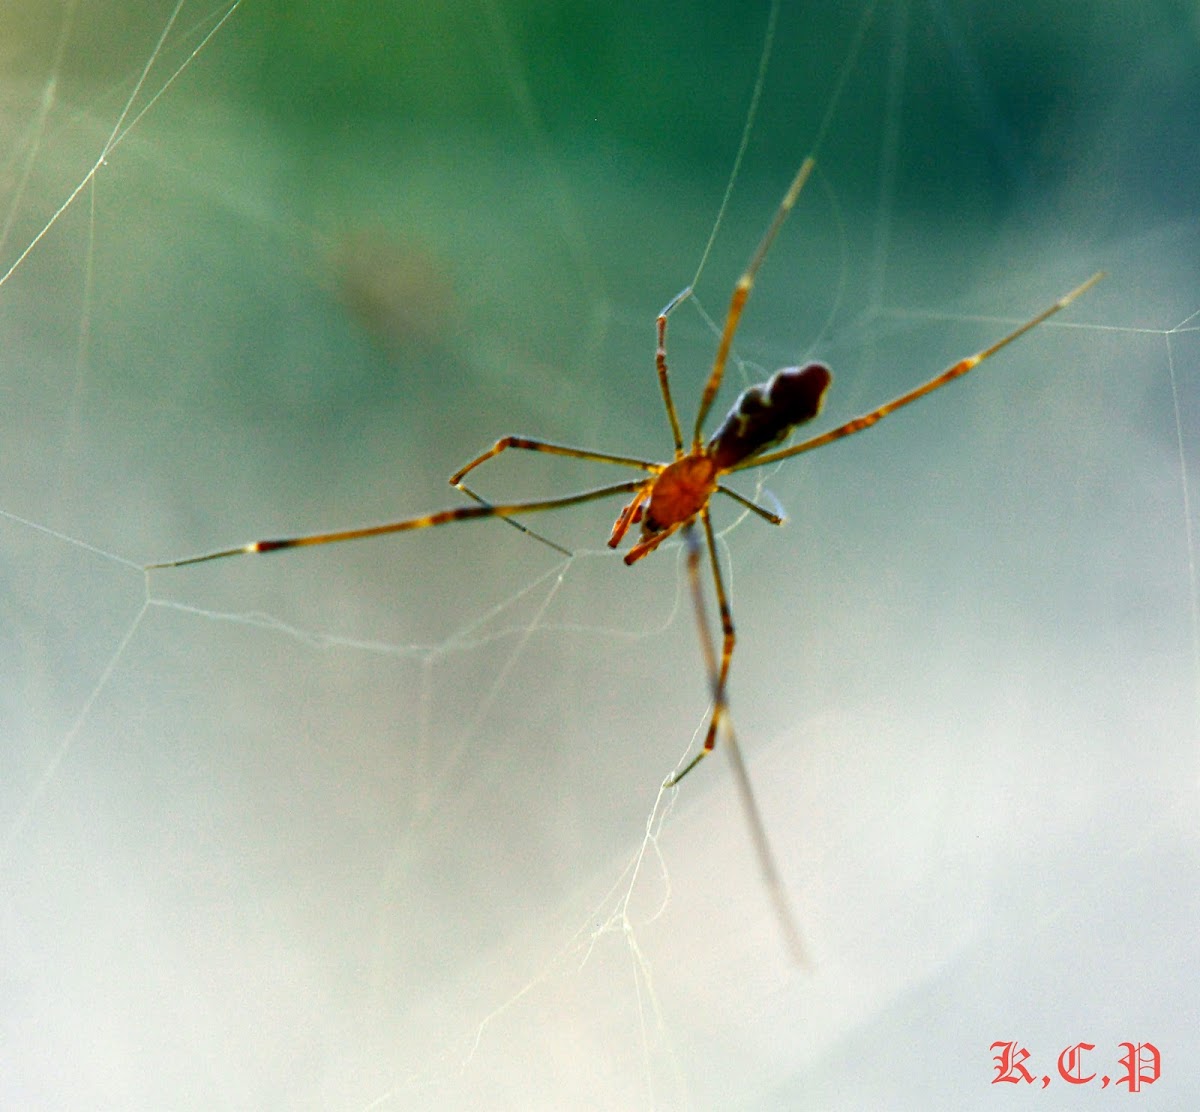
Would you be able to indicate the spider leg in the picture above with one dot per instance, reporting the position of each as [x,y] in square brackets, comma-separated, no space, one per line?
[442,517]
[754,507]
[506,442]
[959,369]
[660,363]
[758,832]
[718,673]
[629,515]
[762,849]
[740,293]
[645,547]
[515,523]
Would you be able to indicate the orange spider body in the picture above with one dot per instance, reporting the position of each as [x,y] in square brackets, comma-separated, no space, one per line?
[676,495]
[762,417]
[680,492]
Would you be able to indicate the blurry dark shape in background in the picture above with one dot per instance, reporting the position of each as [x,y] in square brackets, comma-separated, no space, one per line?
[397,288]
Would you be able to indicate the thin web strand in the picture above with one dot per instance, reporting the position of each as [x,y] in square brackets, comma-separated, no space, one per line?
[760,79]
[118,133]
[37,791]
[37,130]
[1189,527]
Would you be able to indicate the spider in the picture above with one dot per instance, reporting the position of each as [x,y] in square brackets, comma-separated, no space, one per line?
[675,495]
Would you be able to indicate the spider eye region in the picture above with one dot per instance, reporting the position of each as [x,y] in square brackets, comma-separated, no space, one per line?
[765,414]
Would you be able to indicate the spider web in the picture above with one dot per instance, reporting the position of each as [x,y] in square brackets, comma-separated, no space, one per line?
[378,825]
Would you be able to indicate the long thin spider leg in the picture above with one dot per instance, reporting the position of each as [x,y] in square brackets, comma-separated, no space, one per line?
[660,363]
[762,849]
[949,375]
[754,507]
[443,517]
[506,442]
[515,523]
[706,645]
[719,673]
[740,293]
[758,831]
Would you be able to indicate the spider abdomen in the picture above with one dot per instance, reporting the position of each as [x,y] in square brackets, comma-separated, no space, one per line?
[764,414]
